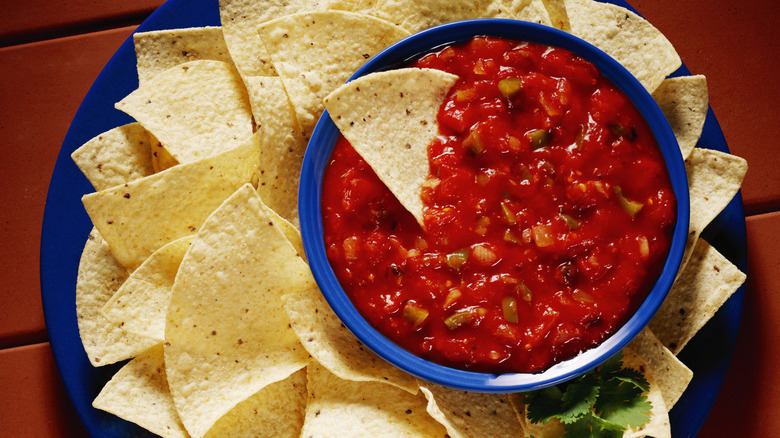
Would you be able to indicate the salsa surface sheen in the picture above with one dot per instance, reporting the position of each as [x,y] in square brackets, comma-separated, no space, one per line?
[548,215]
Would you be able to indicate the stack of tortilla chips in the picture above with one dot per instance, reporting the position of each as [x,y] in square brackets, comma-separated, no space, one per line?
[195,268]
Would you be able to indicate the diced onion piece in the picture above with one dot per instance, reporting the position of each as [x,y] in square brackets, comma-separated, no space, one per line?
[465,95]
[473,142]
[509,305]
[539,138]
[570,221]
[582,296]
[580,137]
[449,52]
[456,259]
[507,331]
[509,87]
[524,293]
[479,67]
[351,246]
[543,236]
[420,243]
[629,206]
[483,254]
[431,182]
[644,247]
[509,236]
[508,213]
[514,143]
[482,225]
[414,313]
[549,108]
[528,235]
[452,297]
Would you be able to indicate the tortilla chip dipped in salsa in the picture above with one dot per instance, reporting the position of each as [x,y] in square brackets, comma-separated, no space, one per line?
[369,111]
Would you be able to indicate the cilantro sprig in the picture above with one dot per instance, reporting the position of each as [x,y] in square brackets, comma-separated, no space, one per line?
[602,403]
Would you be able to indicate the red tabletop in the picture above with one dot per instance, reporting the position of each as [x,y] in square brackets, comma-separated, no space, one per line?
[51,52]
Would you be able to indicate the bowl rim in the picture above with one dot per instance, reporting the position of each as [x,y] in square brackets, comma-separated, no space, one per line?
[321,144]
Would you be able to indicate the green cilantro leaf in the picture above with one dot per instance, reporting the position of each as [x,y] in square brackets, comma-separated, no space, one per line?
[621,398]
[591,426]
[623,403]
[634,377]
[613,365]
[577,400]
[543,404]
[602,403]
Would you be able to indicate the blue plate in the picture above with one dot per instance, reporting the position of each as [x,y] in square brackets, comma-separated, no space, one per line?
[66,226]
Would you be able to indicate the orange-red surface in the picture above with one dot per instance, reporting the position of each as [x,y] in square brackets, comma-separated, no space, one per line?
[42,83]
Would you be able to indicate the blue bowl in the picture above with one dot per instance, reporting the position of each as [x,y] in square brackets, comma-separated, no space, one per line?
[324,138]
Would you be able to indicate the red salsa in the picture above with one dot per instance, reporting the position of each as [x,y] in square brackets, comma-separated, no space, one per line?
[548,215]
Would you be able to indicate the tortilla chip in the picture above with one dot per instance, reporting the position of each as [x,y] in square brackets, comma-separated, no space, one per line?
[705,283]
[196,110]
[496,9]
[532,11]
[99,277]
[658,426]
[471,414]
[139,393]
[684,102]
[226,334]
[625,36]
[139,306]
[714,178]
[160,50]
[282,145]
[139,217]
[559,18]
[115,157]
[161,158]
[240,20]
[360,6]
[416,15]
[276,411]
[341,409]
[673,375]
[390,119]
[335,347]
[289,230]
[316,52]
